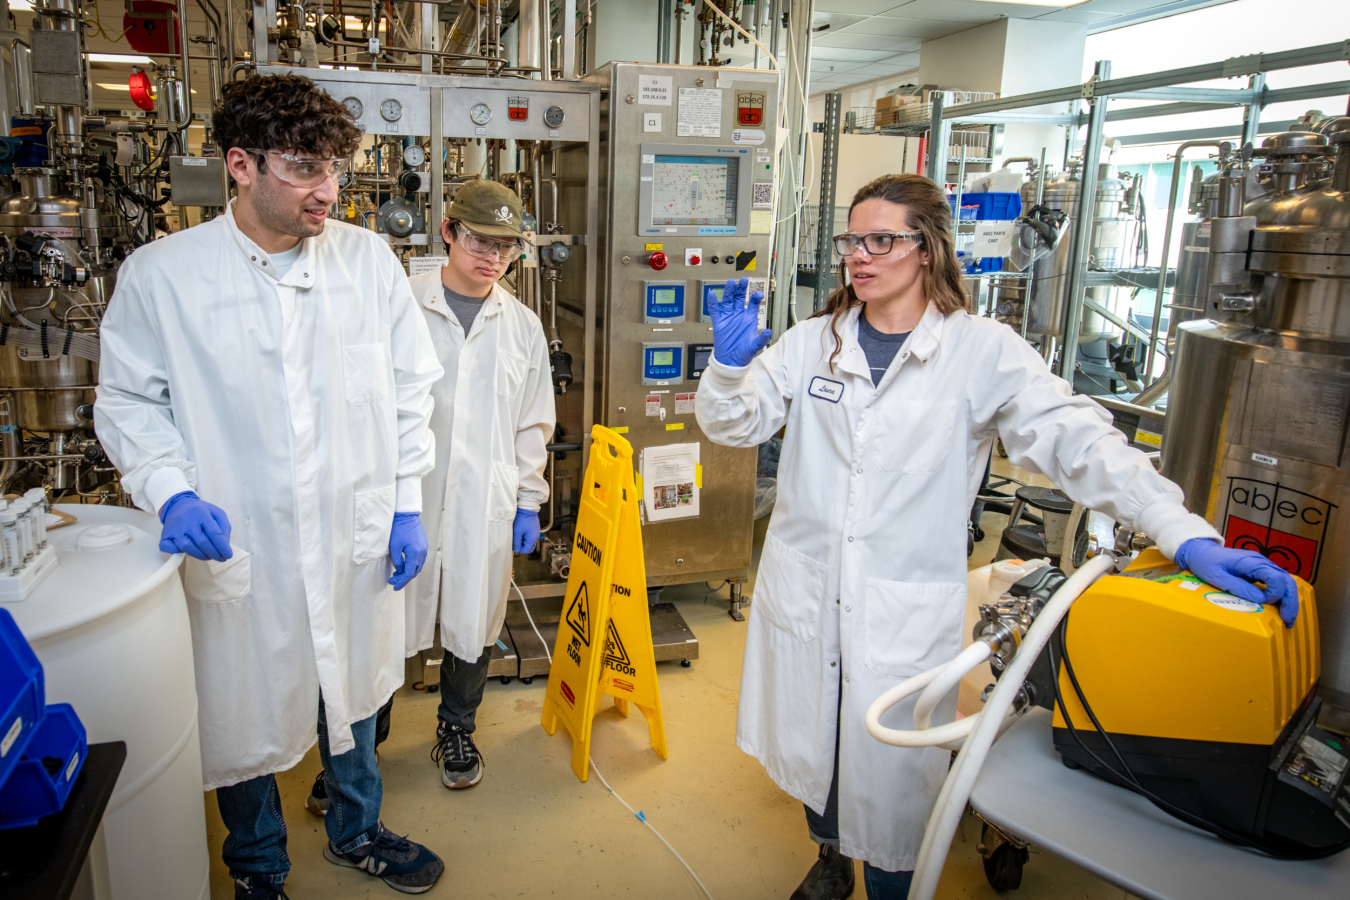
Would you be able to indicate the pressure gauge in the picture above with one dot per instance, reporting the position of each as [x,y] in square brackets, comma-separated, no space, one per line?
[553,116]
[414,155]
[355,107]
[480,113]
[391,109]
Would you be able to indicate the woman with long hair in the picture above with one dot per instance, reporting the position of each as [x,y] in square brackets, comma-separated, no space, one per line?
[891,398]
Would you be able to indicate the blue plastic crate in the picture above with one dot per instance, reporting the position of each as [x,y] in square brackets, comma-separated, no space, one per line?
[995,206]
[968,210]
[41,782]
[22,695]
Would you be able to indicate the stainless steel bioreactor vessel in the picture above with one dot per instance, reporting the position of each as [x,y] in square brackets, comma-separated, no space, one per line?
[1256,429]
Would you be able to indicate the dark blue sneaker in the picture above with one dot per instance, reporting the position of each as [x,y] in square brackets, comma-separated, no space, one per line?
[400,863]
[244,890]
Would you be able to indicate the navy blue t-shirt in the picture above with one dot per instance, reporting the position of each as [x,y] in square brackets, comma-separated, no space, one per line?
[879,347]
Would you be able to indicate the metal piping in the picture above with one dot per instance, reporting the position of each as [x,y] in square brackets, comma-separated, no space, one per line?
[186,120]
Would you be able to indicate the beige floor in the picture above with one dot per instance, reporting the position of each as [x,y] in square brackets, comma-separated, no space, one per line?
[530,829]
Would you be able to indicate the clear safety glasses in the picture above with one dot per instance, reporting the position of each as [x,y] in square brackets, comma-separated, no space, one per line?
[878,243]
[485,248]
[303,171]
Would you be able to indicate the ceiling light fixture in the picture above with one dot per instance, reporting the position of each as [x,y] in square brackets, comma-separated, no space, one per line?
[128,58]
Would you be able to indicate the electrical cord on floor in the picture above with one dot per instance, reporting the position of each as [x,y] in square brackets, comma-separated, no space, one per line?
[637,814]
[1130,781]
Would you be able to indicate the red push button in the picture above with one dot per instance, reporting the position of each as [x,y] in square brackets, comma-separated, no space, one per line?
[657,261]
[694,260]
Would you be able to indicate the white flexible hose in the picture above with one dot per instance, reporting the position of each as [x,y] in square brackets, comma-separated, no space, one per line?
[951,803]
[952,733]
[951,676]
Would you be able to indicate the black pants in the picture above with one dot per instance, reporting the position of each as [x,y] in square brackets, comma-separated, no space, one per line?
[461,691]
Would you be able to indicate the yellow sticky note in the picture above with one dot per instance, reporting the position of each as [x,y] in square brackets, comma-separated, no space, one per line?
[621,429]
[698,476]
[655,247]
[761,221]
[675,426]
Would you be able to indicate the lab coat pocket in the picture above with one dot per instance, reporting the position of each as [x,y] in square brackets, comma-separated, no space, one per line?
[914,437]
[912,627]
[510,375]
[371,524]
[366,373]
[789,589]
[209,581]
[505,483]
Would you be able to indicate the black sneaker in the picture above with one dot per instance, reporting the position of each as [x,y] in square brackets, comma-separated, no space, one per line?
[400,863]
[243,890]
[831,878]
[317,801]
[461,763]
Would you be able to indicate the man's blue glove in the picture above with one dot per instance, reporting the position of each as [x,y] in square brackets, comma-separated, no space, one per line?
[407,548]
[525,531]
[194,527]
[736,335]
[1236,572]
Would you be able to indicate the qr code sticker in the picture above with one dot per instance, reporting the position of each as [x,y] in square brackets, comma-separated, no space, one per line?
[764,195]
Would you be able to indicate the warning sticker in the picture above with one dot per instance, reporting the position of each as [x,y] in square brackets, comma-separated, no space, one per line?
[1286,525]
[616,657]
[684,404]
[653,404]
[579,614]
[700,113]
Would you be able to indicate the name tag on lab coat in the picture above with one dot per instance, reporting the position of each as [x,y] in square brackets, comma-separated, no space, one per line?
[825,389]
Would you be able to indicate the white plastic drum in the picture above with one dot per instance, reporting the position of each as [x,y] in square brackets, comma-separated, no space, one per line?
[110,625]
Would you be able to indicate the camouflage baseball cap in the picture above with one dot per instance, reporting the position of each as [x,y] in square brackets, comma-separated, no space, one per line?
[487,208]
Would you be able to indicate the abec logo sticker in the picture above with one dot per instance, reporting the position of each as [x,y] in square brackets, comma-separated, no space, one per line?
[1236,604]
[825,389]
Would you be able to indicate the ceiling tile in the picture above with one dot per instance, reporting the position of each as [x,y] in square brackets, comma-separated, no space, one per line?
[1120,7]
[835,20]
[826,68]
[860,41]
[845,55]
[971,11]
[917,29]
[855,7]
[1082,16]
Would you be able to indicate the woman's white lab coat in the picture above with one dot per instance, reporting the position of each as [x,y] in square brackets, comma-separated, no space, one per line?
[494,415]
[299,406]
[864,567]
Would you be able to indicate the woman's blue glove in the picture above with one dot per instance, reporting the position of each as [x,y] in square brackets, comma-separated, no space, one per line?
[736,335]
[525,531]
[1237,571]
[407,547]
[194,527]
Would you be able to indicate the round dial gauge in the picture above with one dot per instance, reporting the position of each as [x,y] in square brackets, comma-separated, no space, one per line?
[414,155]
[480,114]
[354,106]
[553,116]
[391,109]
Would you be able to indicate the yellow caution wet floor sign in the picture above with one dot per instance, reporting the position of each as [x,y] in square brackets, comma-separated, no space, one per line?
[604,644]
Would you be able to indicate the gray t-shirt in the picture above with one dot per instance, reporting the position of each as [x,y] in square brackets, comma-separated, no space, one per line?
[284,260]
[466,309]
[879,347]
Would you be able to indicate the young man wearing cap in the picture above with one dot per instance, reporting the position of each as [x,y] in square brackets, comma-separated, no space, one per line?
[492,418]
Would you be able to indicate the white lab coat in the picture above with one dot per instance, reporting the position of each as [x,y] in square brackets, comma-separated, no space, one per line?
[494,416]
[299,407]
[874,489]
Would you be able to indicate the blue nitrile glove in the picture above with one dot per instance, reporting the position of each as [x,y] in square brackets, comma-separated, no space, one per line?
[736,335]
[194,527]
[525,531]
[1236,572]
[407,547]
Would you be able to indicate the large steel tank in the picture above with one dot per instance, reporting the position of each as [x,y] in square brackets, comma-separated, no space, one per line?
[1191,288]
[1113,235]
[1256,426]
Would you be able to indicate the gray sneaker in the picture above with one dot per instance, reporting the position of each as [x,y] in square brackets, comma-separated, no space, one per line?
[400,863]
[317,801]
[461,763]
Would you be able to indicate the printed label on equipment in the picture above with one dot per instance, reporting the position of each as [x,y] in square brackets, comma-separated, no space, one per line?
[1148,437]
[825,389]
[419,264]
[1268,460]
[655,90]
[1236,604]
[74,763]
[750,109]
[1286,525]
[700,113]
[651,121]
[750,136]
[192,161]
[762,196]
[11,736]
[684,404]
[761,220]
[653,405]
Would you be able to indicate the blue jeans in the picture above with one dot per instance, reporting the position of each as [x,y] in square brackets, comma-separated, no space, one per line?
[824,829]
[256,845]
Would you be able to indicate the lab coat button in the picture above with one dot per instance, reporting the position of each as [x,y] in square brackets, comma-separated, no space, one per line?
[846,678]
[848,609]
[850,540]
[832,665]
[860,471]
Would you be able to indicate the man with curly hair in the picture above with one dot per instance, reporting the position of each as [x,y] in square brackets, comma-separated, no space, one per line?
[273,362]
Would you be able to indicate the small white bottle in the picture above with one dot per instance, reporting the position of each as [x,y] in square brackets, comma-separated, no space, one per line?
[38,497]
[9,531]
[24,520]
